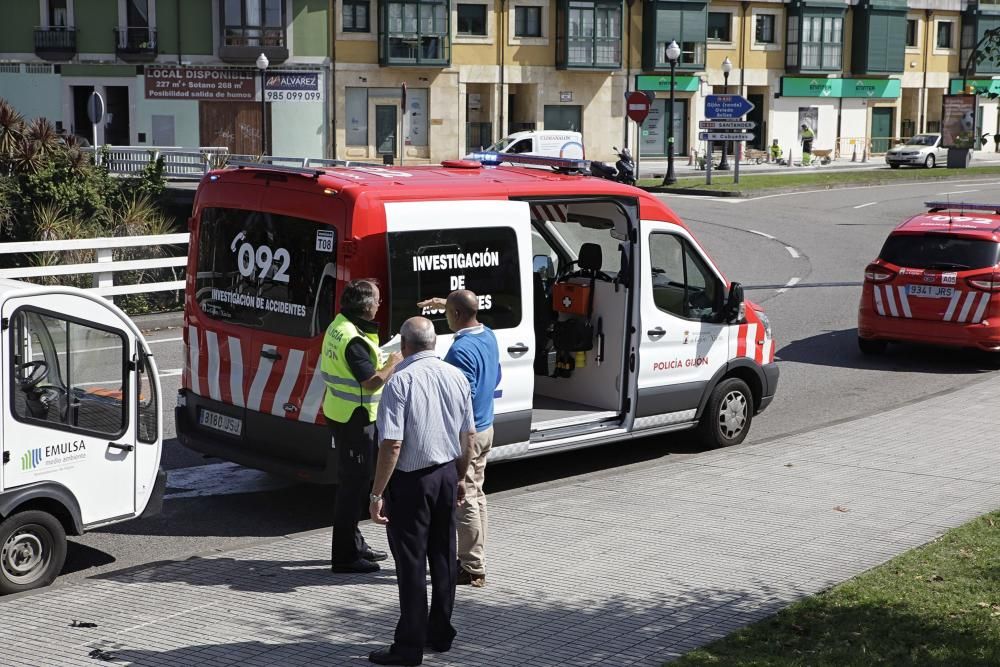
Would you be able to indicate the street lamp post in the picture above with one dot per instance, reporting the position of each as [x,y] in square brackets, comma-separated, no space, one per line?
[727,67]
[673,53]
[262,63]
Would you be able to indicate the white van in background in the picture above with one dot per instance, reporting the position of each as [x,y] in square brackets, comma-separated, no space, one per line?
[549,143]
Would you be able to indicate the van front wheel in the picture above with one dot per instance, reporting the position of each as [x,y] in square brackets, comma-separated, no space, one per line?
[728,414]
[32,551]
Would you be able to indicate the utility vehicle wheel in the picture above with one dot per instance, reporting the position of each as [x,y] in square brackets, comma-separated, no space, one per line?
[929,162]
[32,551]
[893,165]
[870,346]
[727,416]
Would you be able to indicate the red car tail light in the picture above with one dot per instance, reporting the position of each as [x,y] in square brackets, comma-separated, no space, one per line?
[875,273]
[987,283]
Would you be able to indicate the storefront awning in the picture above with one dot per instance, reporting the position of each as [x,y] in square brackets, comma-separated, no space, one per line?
[840,88]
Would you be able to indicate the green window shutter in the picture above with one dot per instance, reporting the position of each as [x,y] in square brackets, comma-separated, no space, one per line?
[695,28]
[878,26]
[895,58]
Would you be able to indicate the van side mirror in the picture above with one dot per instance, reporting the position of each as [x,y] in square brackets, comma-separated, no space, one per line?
[735,308]
[543,264]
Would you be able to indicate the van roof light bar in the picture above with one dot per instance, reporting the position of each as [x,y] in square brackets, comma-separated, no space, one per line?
[935,206]
[563,164]
[310,172]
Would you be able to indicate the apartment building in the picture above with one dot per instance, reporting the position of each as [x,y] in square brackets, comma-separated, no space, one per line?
[173,72]
[427,80]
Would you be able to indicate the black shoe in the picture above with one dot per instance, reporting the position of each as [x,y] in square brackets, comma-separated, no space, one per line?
[385,656]
[374,554]
[438,647]
[360,566]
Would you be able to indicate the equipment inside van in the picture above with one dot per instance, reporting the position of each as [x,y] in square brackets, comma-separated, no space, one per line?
[549,143]
[567,268]
[82,430]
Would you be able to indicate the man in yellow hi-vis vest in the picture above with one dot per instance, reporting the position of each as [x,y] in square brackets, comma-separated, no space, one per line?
[354,370]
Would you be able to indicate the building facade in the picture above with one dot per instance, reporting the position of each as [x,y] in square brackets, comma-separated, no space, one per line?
[427,80]
[173,72]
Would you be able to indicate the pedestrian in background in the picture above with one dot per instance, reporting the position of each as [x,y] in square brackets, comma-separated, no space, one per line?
[474,352]
[426,423]
[807,136]
[354,371]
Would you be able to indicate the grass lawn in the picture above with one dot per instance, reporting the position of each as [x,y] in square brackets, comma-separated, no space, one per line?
[935,606]
[820,178]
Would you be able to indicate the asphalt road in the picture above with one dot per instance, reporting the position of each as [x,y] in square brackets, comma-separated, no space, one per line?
[799,255]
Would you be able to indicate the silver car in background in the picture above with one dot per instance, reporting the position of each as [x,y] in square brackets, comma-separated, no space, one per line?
[923,150]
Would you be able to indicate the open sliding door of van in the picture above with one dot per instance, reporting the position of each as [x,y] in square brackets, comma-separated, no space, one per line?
[436,247]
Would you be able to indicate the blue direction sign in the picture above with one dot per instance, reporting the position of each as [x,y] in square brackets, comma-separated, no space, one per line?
[726,106]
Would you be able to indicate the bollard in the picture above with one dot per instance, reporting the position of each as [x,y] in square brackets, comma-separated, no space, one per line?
[790,157]
[864,154]
[854,154]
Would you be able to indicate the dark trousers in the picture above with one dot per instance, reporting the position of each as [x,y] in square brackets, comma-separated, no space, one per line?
[355,444]
[421,513]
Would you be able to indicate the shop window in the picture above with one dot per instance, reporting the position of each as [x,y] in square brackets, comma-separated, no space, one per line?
[527,21]
[764,29]
[564,117]
[471,20]
[422,266]
[720,27]
[254,23]
[815,42]
[356,17]
[683,285]
[683,22]
[414,32]
[589,34]
[944,34]
[911,33]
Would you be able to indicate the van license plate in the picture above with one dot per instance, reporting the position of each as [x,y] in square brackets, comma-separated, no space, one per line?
[224,423]
[933,291]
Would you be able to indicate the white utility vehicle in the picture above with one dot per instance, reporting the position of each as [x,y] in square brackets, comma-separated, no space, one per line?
[550,143]
[81,426]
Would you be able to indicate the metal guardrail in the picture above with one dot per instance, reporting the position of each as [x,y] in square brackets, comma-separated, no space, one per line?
[191,163]
[104,267]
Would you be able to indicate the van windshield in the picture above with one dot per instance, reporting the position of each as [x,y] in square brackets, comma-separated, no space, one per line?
[266,271]
[499,146]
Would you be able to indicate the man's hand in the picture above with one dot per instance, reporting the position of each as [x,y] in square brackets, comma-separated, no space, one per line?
[393,359]
[461,494]
[436,303]
[375,511]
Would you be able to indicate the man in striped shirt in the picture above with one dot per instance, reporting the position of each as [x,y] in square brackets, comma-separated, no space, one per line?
[426,423]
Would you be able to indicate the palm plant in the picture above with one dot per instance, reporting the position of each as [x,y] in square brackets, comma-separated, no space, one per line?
[11,133]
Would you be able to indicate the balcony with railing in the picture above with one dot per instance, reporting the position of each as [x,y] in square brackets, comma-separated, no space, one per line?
[56,43]
[135,44]
[242,44]
[589,34]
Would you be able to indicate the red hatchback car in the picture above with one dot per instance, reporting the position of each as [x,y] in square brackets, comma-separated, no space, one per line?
[936,281]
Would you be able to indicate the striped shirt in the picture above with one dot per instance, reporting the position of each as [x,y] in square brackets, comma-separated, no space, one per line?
[427,404]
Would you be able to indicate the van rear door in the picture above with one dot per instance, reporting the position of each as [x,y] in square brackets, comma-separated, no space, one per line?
[265,291]
[436,247]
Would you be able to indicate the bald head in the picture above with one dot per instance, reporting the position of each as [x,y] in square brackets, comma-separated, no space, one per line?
[465,302]
[418,335]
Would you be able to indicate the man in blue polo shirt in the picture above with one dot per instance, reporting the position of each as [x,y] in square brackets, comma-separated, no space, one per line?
[474,352]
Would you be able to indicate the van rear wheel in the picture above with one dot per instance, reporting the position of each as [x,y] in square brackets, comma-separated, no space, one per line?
[728,414]
[32,551]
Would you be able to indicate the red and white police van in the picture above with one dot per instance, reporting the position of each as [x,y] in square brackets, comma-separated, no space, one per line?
[936,281]
[612,320]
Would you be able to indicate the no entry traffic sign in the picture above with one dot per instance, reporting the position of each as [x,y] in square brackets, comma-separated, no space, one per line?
[638,106]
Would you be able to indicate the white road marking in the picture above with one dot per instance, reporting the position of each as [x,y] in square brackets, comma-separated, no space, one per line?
[766,236]
[957,192]
[791,283]
[871,203]
[220,479]
[164,340]
[868,187]
[793,252]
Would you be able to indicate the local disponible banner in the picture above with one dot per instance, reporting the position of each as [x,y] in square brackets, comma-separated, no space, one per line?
[200,83]
[958,122]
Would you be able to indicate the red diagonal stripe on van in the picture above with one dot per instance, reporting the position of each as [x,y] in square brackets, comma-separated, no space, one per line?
[741,341]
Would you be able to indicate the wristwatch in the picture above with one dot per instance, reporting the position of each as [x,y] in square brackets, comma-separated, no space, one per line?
[374,499]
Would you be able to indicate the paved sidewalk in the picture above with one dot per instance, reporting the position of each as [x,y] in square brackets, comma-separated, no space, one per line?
[631,566]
